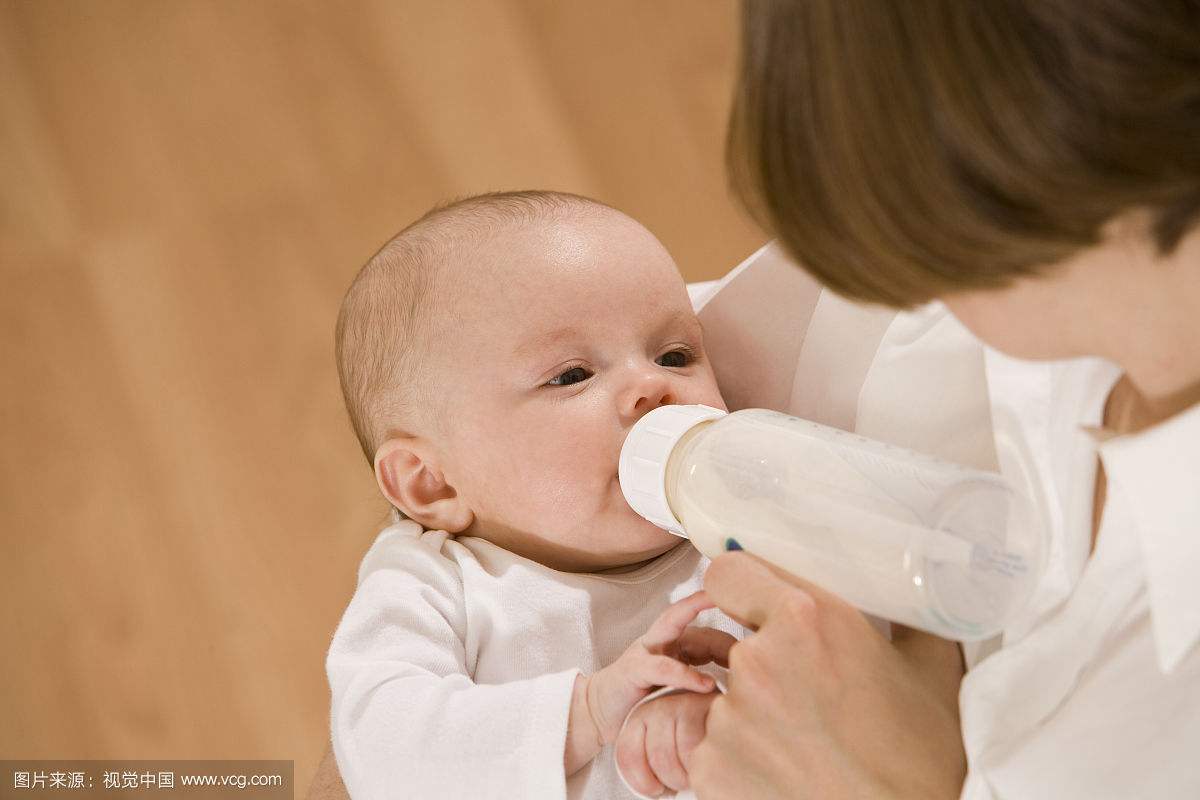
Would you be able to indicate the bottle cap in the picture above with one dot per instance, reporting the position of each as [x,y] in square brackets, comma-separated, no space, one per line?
[642,468]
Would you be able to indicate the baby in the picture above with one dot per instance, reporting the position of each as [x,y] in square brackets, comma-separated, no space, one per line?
[493,356]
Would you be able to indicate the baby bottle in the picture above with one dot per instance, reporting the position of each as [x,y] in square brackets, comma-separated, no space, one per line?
[898,534]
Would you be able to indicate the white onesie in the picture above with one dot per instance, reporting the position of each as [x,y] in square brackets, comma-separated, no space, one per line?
[453,666]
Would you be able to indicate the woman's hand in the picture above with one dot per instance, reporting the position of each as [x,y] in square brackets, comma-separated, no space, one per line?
[820,705]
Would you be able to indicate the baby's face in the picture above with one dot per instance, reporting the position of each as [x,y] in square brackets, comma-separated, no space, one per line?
[564,337]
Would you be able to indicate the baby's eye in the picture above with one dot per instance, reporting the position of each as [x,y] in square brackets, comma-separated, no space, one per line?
[675,358]
[573,375]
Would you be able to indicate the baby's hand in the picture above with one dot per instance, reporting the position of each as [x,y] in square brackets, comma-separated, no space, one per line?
[659,658]
[655,746]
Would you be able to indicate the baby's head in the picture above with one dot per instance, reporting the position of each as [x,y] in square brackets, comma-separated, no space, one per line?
[494,355]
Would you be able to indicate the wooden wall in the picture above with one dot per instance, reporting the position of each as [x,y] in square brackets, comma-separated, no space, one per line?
[186,189]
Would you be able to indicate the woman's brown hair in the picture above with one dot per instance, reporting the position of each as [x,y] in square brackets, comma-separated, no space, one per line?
[905,149]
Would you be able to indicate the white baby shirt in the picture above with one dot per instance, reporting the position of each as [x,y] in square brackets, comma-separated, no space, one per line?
[453,666]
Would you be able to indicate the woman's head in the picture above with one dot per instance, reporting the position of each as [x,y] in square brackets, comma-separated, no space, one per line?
[907,151]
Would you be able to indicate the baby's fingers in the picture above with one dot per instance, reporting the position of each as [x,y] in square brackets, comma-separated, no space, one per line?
[671,624]
[661,751]
[666,671]
[690,725]
[632,762]
[703,645]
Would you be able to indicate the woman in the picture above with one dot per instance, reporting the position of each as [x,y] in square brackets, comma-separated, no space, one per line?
[1036,166]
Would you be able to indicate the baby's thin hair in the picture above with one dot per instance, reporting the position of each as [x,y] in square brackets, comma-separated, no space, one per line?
[381,338]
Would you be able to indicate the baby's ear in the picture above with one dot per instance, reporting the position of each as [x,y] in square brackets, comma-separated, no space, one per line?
[409,476]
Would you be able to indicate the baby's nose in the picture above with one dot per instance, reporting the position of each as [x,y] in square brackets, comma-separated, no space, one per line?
[647,393]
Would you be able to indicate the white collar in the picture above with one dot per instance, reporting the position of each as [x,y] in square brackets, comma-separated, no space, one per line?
[1158,470]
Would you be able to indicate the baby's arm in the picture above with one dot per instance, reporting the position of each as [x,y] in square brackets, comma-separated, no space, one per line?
[407,718]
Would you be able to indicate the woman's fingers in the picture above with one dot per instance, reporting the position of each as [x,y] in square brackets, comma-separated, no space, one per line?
[750,590]
[703,645]
[671,624]
[631,759]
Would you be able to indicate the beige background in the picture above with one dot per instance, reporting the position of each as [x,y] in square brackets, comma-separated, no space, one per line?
[186,189]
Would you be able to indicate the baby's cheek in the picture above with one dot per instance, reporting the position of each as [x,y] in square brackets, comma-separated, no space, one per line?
[710,392]
[554,466]
[558,463]
[573,446]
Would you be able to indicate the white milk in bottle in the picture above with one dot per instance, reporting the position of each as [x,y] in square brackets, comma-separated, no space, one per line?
[904,536]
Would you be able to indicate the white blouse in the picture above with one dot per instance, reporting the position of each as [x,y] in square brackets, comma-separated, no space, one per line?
[1095,691]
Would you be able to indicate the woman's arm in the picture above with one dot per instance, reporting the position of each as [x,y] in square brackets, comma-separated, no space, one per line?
[820,705]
